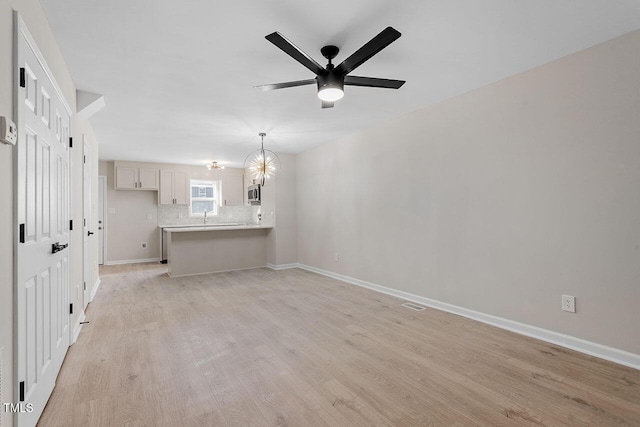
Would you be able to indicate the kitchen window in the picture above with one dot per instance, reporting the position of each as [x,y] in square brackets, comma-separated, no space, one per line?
[205,196]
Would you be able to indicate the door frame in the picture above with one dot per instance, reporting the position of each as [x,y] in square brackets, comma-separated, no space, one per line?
[86,221]
[21,31]
[102,183]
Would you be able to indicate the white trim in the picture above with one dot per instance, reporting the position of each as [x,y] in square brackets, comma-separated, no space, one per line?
[283,266]
[583,346]
[105,188]
[131,261]
[217,201]
[95,289]
[78,327]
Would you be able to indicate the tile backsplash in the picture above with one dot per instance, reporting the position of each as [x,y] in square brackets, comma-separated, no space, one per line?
[179,215]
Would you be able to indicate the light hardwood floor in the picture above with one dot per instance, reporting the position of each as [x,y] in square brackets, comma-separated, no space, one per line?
[263,348]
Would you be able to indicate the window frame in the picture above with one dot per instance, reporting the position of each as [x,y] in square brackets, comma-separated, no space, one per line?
[216,184]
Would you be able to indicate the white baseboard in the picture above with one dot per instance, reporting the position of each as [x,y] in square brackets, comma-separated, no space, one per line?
[78,327]
[593,349]
[282,266]
[95,289]
[132,261]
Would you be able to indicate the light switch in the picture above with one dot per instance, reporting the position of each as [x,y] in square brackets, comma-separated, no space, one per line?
[8,131]
[112,210]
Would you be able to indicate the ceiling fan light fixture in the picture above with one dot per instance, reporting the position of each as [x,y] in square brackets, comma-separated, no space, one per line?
[330,87]
[330,94]
[214,165]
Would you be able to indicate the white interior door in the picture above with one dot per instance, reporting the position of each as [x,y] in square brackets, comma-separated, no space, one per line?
[87,224]
[42,213]
[102,225]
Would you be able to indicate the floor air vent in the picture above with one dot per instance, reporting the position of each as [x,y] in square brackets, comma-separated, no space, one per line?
[413,306]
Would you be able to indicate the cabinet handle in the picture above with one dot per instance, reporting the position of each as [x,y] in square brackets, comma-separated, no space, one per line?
[135,185]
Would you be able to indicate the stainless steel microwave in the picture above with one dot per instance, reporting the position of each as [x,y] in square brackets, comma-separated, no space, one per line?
[253,194]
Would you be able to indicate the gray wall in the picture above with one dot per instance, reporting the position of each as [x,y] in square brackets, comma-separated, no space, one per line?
[499,200]
[281,241]
[128,227]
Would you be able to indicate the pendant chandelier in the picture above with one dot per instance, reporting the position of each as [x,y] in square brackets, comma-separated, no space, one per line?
[262,164]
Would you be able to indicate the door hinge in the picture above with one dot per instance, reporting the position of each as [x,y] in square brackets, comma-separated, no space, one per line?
[71,308]
[23,79]
[21,391]
[84,287]
[70,142]
[84,222]
[84,159]
[71,224]
[22,232]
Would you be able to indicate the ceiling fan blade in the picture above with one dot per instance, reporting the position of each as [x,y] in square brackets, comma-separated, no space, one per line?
[286,84]
[373,82]
[373,46]
[326,104]
[295,52]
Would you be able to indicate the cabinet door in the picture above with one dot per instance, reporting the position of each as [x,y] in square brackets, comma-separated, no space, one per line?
[232,190]
[126,178]
[180,192]
[166,188]
[148,179]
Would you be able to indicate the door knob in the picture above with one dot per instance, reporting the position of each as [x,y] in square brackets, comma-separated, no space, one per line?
[57,247]
[89,233]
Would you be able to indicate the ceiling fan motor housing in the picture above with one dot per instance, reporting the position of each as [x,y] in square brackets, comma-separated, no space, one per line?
[330,79]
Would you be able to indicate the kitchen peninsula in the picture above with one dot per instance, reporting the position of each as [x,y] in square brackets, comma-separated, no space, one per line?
[215,248]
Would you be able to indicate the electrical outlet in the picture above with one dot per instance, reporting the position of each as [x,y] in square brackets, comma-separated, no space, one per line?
[336,257]
[149,216]
[144,244]
[180,215]
[569,303]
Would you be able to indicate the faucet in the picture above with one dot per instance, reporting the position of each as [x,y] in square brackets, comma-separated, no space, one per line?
[205,216]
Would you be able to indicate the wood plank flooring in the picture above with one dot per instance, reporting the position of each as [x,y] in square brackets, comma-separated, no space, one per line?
[292,348]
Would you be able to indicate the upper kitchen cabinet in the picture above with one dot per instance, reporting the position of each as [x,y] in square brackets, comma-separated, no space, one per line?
[232,190]
[173,188]
[133,178]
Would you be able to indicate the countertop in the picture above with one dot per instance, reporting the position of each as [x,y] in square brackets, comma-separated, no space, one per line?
[213,227]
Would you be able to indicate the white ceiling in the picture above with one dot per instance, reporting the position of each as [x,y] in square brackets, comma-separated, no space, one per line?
[178,76]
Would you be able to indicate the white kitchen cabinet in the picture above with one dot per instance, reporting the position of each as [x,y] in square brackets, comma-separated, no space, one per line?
[126,178]
[173,188]
[232,190]
[148,179]
[132,178]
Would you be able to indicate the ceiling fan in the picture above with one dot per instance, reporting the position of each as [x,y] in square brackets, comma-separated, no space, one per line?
[332,79]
